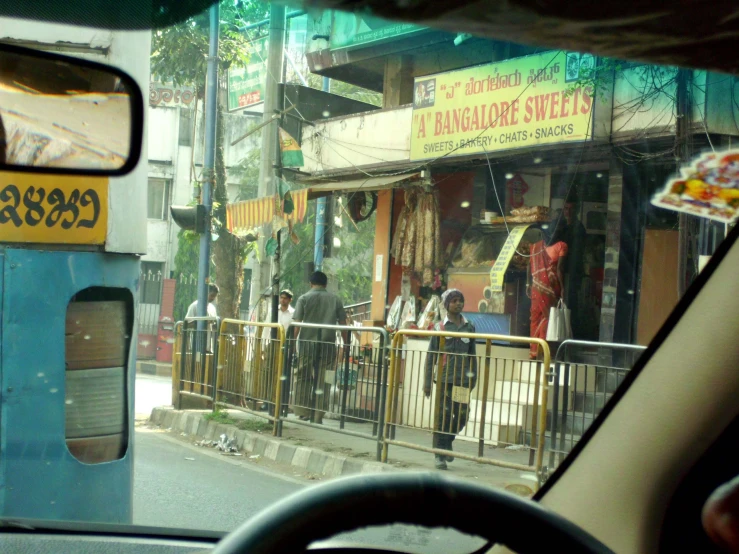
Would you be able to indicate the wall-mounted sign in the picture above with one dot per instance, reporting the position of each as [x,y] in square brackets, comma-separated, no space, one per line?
[497,272]
[161,94]
[246,84]
[353,30]
[709,187]
[511,104]
[53,209]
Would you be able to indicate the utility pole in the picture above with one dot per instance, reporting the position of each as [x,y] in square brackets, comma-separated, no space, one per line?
[683,129]
[267,185]
[320,211]
[211,103]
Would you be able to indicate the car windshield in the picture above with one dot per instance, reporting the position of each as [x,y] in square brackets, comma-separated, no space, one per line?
[351,245]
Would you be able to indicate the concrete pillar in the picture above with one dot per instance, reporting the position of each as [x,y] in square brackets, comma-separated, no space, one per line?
[623,239]
[613,244]
[397,87]
[381,257]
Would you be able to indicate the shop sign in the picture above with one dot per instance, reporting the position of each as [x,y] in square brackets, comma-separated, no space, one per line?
[53,209]
[497,272]
[168,95]
[353,30]
[709,187]
[516,103]
[517,187]
[246,84]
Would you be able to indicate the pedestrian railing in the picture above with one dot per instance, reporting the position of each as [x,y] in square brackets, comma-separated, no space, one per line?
[498,408]
[248,376]
[496,397]
[332,385]
[176,365]
[359,312]
[198,351]
[585,376]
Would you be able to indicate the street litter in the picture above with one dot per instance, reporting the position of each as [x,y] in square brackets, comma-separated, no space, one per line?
[254,457]
[226,444]
[190,459]
[206,443]
[516,447]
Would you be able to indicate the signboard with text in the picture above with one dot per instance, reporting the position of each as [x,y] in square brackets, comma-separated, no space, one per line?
[246,84]
[53,209]
[497,272]
[352,30]
[511,104]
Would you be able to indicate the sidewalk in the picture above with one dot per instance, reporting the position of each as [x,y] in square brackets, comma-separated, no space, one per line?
[152,367]
[330,454]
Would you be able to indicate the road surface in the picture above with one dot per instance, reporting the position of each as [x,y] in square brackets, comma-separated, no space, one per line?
[151,391]
[179,485]
[176,485]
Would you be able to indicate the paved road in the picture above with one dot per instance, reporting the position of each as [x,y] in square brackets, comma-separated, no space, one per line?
[212,492]
[203,492]
[179,485]
[151,391]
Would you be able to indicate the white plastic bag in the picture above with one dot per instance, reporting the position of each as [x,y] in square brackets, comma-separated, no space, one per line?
[559,327]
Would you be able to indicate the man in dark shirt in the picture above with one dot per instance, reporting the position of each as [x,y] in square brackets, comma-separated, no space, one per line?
[456,377]
[317,348]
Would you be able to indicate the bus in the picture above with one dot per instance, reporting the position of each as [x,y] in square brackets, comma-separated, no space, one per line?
[72,230]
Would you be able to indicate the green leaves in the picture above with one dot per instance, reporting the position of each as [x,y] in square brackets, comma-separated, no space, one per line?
[179,52]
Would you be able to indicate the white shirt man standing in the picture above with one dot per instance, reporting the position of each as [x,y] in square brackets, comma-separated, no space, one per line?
[286,311]
[192,311]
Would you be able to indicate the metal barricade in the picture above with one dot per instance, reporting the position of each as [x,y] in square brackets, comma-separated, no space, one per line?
[585,376]
[176,365]
[249,361]
[496,397]
[198,351]
[335,386]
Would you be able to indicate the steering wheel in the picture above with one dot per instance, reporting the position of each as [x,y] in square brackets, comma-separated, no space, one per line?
[426,499]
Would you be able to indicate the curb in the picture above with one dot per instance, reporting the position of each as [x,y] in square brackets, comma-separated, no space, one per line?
[154,368]
[308,459]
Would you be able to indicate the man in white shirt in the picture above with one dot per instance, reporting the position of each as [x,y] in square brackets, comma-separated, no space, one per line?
[192,311]
[284,318]
[286,311]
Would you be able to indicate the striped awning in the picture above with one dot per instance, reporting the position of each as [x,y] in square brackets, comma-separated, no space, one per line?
[242,216]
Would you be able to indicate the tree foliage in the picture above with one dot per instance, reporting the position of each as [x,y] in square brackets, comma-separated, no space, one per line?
[350,264]
[180,55]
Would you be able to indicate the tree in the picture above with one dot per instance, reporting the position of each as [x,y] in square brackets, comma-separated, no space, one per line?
[350,265]
[179,54]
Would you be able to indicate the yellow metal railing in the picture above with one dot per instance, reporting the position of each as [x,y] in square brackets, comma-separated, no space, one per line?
[249,367]
[402,366]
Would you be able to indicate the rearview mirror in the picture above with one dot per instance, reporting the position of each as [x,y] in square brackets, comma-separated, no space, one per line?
[64,115]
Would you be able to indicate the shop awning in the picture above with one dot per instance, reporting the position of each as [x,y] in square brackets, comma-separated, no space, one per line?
[367,184]
[242,216]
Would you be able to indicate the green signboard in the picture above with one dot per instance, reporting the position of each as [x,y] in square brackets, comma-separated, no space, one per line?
[350,30]
[246,84]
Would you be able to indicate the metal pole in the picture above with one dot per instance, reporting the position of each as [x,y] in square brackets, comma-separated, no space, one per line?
[683,129]
[320,212]
[211,92]
[261,279]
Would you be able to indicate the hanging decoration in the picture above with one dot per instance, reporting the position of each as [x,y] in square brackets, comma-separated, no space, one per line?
[358,205]
[416,245]
[291,154]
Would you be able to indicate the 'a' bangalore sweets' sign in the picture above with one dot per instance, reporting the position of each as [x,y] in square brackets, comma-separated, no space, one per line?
[511,104]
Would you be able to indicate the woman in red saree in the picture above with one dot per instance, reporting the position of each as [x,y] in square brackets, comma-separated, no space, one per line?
[547,284]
